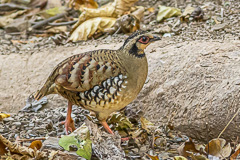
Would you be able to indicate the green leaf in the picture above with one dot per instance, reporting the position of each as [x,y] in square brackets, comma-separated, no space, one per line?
[79,138]
[52,12]
[86,150]
[67,141]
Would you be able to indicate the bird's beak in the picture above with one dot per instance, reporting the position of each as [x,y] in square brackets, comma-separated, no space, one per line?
[155,38]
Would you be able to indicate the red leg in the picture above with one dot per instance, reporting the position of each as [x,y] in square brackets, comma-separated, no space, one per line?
[108,129]
[68,123]
[105,125]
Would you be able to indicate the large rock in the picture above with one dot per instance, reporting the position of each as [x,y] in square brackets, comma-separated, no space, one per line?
[196,88]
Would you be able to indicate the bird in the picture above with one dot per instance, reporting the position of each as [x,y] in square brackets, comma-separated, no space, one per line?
[102,81]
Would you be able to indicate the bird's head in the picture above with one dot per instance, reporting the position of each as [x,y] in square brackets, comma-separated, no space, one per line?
[137,42]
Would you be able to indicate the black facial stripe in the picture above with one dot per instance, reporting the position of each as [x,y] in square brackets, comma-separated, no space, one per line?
[134,51]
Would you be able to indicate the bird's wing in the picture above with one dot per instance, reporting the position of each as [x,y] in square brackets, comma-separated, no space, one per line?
[82,72]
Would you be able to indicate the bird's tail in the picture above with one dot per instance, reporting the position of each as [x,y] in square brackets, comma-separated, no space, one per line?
[45,90]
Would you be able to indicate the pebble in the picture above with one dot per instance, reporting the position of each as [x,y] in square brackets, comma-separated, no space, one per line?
[31,124]
[52,134]
[17,124]
[7,36]
[143,149]
[9,119]
[136,150]
[49,126]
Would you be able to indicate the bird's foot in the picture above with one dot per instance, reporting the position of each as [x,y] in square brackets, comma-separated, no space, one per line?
[108,129]
[69,126]
[125,139]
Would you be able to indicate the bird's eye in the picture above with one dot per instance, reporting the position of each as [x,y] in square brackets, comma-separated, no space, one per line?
[144,39]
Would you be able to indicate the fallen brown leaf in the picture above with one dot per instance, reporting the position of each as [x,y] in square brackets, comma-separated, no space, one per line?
[96,20]
[179,158]
[153,157]
[5,20]
[58,29]
[36,145]
[147,125]
[22,150]
[21,41]
[88,28]
[3,150]
[4,115]
[236,153]
[77,4]
[151,9]
[217,147]
[187,147]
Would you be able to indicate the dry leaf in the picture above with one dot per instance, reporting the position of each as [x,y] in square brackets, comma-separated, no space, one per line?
[3,150]
[151,9]
[88,28]
[77,4]
[167,12]
[4,115]
[198,157]
[192,13]
[36,145]
[121,121]
[186,148]
[216,147]
[5,20]
[58,29]
[52,155]
[179,158]
[22,150]
[106,15]
[187,12]
[147,125]
[236,153]
[127,23]
[136,133]
[153,157]
[21,41]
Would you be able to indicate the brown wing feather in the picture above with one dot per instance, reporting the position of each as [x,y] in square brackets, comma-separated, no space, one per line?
[82,72]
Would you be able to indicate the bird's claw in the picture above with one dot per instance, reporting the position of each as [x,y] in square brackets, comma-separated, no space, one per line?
[69,126]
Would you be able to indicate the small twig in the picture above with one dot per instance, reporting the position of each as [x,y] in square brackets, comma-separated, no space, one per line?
[229,123]
[62,23]
[153,141]
[46,21]
[32,139]
[11,6]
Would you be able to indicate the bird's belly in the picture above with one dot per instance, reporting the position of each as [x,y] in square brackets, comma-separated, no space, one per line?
[111,95]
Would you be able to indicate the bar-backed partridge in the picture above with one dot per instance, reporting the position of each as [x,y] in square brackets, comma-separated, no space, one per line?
[102,81]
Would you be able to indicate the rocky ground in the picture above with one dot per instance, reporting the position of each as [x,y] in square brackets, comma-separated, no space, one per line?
[221,23]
